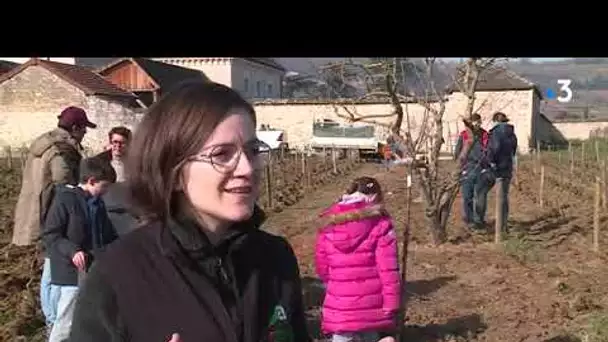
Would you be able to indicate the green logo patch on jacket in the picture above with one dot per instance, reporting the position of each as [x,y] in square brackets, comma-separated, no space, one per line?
[279,329]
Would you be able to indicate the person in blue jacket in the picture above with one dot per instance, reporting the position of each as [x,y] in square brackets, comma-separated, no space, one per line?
[501,153]
[471,151]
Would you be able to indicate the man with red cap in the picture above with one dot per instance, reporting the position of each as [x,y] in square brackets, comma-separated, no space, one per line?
[53,158]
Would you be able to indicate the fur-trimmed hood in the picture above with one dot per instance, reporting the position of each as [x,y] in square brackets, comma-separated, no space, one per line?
[347,225]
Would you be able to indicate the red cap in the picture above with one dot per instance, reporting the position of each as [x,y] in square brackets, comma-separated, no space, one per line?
[75,116]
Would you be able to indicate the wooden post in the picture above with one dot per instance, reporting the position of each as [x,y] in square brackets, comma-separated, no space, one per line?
[450,145]
[541,191]
[268,185]
[9,157]
[406,241]
[571,156]
[303,160]
[597,151]
[604,172]
[538,155]
[559,157]
[324,156]
[596,216]
[307,174]
[583,154]
[516,174]
[333,160]
[23,156]
[499,224]
[534,162]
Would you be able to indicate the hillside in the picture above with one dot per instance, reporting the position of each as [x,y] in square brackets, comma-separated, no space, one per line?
[589,84]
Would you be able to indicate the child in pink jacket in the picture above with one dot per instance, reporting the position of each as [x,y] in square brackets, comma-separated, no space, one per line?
[356,259]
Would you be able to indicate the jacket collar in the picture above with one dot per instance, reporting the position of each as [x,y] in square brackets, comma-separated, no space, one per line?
[346,212]
[182,233]
[67,137]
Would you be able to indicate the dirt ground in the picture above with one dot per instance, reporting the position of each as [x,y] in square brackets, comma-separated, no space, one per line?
[541,284]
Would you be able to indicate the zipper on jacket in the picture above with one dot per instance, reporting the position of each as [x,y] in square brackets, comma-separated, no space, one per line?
[227,316]
[222,270]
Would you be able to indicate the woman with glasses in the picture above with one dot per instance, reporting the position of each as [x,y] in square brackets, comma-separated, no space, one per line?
[199,268]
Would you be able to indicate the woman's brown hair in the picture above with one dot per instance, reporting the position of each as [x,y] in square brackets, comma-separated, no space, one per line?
[174,129]
[366,185]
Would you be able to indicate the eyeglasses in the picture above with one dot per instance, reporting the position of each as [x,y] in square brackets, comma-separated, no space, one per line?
[118,142]
[225,157]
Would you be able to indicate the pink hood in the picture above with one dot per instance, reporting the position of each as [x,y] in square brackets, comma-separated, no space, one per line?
[350,223]
[356,257]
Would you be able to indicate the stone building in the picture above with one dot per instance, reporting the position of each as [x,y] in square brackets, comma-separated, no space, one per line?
[254,78]
[33,94]
[504,91]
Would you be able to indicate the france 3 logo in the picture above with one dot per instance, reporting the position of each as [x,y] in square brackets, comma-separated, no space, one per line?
[564,94]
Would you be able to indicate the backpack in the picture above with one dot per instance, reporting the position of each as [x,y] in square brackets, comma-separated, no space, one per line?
[464,153]
[485,138]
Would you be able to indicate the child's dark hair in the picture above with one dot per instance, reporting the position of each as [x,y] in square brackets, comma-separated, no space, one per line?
[120,130]
[366,185]
[98,169]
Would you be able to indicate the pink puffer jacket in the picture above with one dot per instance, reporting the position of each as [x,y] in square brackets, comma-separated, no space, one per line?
[356,257]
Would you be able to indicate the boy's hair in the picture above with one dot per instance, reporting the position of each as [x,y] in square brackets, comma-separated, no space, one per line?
[98,169]
[120,130]
[367,186]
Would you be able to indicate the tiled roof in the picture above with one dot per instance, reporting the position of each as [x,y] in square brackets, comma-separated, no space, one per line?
[270,62]
[83,78]
[165,75]
[501,80]
[6,66]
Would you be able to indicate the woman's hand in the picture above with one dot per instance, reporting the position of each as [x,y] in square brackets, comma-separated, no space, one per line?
[175,338]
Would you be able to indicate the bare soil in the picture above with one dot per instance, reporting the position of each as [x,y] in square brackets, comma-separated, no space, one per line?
[542,283]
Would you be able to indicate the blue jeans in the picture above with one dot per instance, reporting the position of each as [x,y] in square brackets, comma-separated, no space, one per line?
[49,294]
[65,311]
[475,188]
[506,182]
[356,337]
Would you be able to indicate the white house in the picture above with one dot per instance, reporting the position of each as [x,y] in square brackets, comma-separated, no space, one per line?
[252,77]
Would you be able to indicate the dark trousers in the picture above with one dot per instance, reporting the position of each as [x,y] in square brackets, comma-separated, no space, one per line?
[474,188]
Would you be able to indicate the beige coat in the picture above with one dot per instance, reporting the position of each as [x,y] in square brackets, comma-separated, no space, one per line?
[53,158]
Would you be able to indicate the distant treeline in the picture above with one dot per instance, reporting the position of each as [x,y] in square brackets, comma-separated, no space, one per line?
[595,82]
[570,61]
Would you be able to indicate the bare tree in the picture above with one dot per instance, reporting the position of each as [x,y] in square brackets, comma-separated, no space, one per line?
[400,81]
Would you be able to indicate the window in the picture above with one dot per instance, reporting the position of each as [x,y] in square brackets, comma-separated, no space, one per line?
[258,89]
[269,94]
[246,85]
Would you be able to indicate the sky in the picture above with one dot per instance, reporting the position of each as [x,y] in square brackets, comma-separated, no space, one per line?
[543,59]
[549,59]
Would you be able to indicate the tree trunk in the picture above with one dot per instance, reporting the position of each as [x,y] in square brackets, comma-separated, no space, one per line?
[445,206]
[438,233]
[438,217]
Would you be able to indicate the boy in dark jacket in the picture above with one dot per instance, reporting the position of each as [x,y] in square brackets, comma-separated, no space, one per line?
[76,227]
[502,150]
[471,151]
